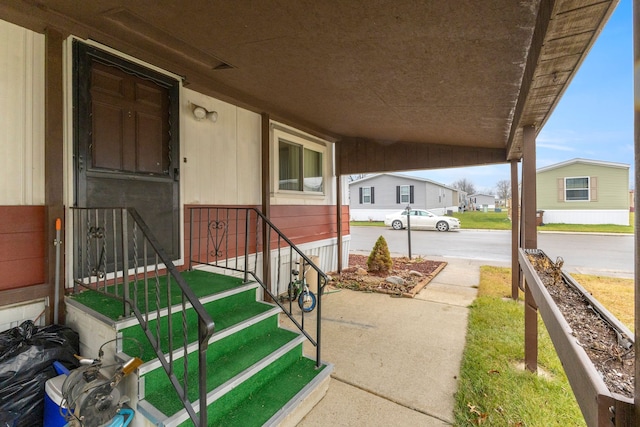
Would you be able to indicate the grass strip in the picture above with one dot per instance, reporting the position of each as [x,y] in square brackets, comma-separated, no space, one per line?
[500,221]
[494,390]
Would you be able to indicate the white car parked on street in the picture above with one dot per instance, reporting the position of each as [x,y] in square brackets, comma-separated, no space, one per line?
[421,219]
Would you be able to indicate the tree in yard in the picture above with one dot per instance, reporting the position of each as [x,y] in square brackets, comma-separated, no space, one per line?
[380,258]
[503,189]
[464,185]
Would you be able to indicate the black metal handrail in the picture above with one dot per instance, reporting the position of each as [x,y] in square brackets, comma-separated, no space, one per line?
[117,254]
[236,238]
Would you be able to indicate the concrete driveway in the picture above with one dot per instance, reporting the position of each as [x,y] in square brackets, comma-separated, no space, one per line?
[397,360]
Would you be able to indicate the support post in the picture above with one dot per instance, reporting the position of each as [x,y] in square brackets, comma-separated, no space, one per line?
[54,162]
[515,218]
[636,138]
[530,242]
[266,199]
[339,209]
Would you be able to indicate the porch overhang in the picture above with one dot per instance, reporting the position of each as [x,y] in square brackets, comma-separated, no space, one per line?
[408,73]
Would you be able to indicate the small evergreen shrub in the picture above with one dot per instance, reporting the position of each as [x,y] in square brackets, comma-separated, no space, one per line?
[379,260]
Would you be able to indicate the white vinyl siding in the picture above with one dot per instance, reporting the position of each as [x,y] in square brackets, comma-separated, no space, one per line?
[21,116]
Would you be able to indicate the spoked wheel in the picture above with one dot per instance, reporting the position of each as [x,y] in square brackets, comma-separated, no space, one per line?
[307,301]
[442,226]
[292,292]
[396,225]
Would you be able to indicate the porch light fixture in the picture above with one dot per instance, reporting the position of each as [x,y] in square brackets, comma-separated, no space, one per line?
[200,113]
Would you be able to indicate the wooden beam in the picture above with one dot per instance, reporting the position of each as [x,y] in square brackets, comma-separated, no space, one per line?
[529,188]
[339,210]
[636,138]
[266,197]
[537,42]
[54,162]
[515,218]
[357,155]
[530,242]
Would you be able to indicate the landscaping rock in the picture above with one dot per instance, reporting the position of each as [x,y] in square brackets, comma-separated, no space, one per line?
[395,280]
[416,273]
[361,271]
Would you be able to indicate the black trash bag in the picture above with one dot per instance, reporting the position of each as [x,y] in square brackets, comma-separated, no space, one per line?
[27,353]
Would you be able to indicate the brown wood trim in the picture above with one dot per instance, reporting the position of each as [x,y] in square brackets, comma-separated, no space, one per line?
[54,158]
[515,222]
[300,223]
[537,41]
[24,294]
[339,220]
[266,192]
[357,155]
[22,246]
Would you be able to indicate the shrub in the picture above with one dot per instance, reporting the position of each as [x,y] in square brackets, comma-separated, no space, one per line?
[379,259]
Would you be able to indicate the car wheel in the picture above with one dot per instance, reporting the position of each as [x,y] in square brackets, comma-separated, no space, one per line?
[442,226]
[397,224]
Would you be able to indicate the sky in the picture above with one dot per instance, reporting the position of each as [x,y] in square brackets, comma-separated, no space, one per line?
[594,118]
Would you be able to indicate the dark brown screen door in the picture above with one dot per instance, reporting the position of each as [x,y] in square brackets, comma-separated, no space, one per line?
[126,141]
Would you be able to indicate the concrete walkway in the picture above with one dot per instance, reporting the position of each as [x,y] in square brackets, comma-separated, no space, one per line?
[397,360]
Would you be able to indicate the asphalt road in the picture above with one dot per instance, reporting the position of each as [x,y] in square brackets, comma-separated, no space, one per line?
[608,255]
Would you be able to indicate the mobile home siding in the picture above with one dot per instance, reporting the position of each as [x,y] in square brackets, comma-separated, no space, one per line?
[21,116]
[426,194]
[612,187]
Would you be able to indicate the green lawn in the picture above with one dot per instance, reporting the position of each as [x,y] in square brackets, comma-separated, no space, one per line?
[494,390]
[499,221]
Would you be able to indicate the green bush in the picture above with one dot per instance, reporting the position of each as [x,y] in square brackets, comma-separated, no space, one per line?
[379,260]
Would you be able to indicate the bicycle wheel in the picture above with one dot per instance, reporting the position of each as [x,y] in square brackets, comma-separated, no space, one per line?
[292,291]
[307,301]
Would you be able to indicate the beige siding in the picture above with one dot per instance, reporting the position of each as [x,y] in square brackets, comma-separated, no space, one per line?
[611,192]
[21,116]
[222,158]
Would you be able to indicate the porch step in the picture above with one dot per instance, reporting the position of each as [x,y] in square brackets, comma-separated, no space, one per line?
[256,371]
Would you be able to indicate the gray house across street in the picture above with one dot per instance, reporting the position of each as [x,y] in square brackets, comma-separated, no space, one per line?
[373,197]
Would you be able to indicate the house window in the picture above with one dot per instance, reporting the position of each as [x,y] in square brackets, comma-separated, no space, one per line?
[404,194]
[366,196]
[300,168]
[577,189]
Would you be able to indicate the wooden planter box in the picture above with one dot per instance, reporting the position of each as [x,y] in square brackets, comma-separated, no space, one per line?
[600,407]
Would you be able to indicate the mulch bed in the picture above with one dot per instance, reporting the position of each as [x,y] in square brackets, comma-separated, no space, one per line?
[611,357]
[416,274]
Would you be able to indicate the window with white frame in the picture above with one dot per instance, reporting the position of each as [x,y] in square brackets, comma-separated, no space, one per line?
[367,196]
[405,193]
[576,189]
[300,167]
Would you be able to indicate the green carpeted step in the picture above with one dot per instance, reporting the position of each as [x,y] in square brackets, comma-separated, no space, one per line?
[254,402]
[202,283]
[225,359]
[225,312]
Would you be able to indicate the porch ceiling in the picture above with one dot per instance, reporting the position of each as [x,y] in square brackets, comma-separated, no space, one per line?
[466,74]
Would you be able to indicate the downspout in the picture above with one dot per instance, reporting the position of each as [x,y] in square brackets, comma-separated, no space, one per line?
[266,197]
